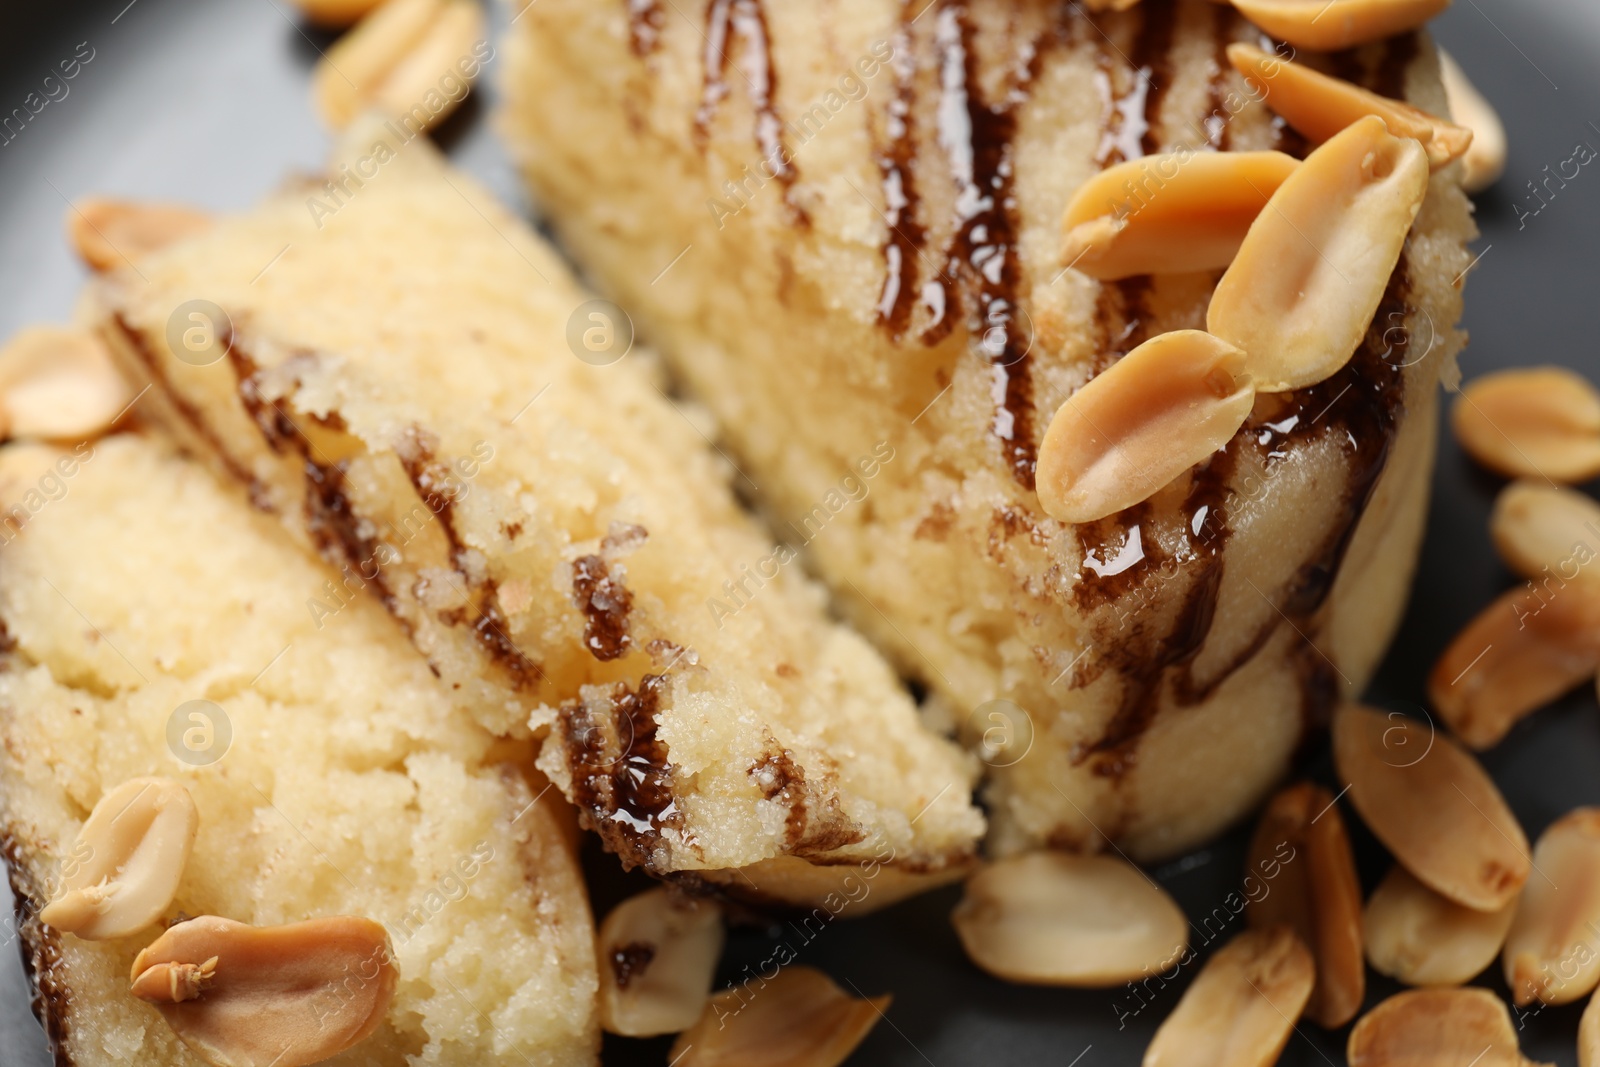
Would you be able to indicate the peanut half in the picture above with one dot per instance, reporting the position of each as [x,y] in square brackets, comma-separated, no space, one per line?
[109,233]
[1520,653]
[1415,936]
[1152,415]
[1311,272]
[1552,952]
[1320,106]
[1534,422]
[1436,1028]
[658,953]
[1168,214]
[1547,534]
[1052,918]
[287,996]
[1317,895]
[136,842]
[59,384]
[1485,160]
[1589,1034]
[335,14]
[799,1018]
[408,59]
[1241,1007]
[1332,25]
[1432,805]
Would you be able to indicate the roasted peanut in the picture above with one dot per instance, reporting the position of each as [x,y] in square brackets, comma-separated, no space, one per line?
[798,1019]
[1520,653]
[1242,1006]
[1156,412]
[59,384]
[137,841]
[1415,936]
[1485,160]
[1534,422]
[1433,805]
[110,233]
[1332,25]
[1552,953]
[1547,534]
[658,953]
[1320,106]
[1169,214]
[1436,1028]
[1050,918]
[1317,895]
[336,14]
[1310,274]
[410,59]
[1589,1034]
[282,995]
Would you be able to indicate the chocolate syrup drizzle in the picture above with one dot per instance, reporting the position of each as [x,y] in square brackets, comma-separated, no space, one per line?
[981,272]
[622,784]
[345,539]
[747,20]
[906,232]
[644,26]
[1218,130]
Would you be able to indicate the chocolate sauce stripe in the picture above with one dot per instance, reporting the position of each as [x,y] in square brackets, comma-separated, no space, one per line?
[982,271]
[903,245]
[747,19]
[644,26]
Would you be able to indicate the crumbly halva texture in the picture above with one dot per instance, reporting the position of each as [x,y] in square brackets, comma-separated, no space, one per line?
[350,779]
[867,202]
[421,392]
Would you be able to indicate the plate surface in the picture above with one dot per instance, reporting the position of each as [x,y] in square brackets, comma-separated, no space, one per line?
[208,103]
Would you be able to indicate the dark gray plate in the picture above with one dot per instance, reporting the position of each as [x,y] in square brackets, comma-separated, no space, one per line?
[209,103]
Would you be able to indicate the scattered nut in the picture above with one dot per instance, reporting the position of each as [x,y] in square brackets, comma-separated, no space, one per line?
[1534,422]
[255,995]
[1551,952]
[1169,214]
[1546,533]
[1051,918]
[335,14]
[798,1019]
[399,61]
[1520,653]
[1485,161]
[59,384]
[1415,936]
[1319,105]
[1433,805]
[108,233]
[658,952]
[1241,1007]
[1152,415]
[136,842]
[1332,25]
[1308,278]
[1436,1028]
[1317,895]
[1589,1034]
